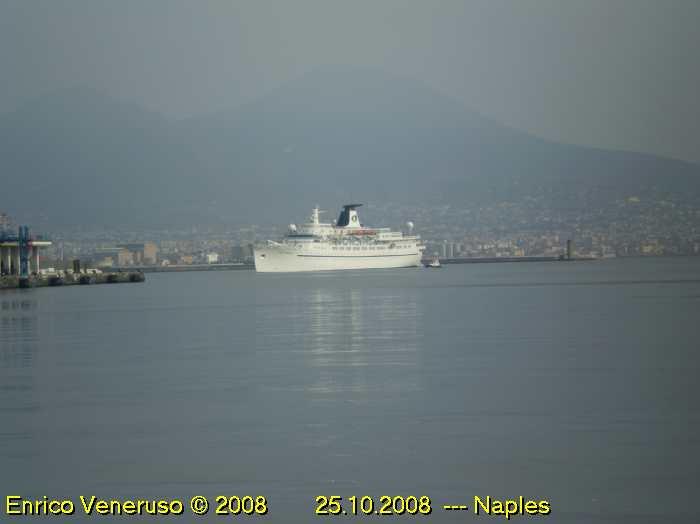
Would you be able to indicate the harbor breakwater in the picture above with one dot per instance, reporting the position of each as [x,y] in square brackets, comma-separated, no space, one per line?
[249,266]
[83,279]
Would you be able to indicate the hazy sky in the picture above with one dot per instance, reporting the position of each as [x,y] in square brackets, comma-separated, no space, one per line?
[620,74]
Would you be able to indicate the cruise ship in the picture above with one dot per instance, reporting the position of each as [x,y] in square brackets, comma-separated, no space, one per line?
[347,244]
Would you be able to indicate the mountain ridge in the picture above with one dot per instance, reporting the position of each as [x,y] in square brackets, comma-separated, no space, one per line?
[329,136]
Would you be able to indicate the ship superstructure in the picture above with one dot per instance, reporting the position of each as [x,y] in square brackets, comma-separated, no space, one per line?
[347,244]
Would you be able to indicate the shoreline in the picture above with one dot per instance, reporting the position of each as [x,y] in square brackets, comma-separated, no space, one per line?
[245,266]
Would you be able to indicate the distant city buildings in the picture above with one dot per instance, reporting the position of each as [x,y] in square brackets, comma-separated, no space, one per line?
[141,254]
[633,226]
[111,257]
[131,254]
[164,252]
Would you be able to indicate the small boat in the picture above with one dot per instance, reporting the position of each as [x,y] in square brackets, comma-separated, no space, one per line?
[434,263]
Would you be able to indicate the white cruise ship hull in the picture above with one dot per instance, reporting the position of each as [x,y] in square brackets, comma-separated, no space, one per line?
[347,244]
[279,260]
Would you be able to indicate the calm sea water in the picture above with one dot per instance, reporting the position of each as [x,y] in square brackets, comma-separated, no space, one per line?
[571,382]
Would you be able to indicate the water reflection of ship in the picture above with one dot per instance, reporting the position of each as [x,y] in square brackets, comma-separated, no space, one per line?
[359,331]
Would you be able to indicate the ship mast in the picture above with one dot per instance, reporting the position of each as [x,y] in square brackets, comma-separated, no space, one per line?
[315,215]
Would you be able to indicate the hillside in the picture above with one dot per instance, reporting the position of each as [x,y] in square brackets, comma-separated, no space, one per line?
[78,156]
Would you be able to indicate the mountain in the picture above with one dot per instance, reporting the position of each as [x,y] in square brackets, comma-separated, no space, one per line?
[331,136]
[78,156]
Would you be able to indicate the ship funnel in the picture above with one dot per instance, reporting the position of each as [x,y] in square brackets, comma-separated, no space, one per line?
[349,217]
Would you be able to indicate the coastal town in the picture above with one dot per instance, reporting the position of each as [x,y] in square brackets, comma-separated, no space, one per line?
[630,227]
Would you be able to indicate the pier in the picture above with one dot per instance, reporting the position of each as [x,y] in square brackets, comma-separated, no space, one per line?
[70,279]
[20,265]
[175,268]
[487,260]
